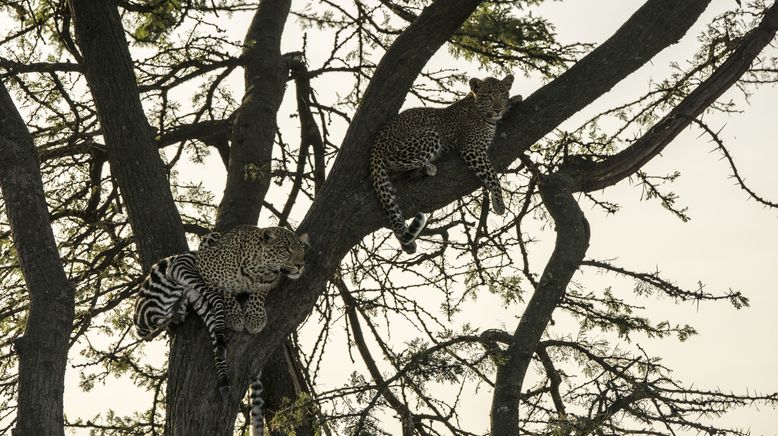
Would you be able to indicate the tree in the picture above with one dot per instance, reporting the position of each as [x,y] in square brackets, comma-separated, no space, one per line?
[109,82]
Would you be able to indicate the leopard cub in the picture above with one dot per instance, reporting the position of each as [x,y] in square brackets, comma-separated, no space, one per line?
[416,137]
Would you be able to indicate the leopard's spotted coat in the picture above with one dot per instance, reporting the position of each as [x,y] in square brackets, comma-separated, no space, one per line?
[416,137]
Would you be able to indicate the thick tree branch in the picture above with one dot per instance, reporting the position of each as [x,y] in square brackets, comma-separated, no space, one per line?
[13,68]
[206,131]
[571,244]
[135,162]
[254,127]
[43,349]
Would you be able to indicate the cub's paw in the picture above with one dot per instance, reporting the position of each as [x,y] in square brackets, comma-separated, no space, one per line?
[430,169]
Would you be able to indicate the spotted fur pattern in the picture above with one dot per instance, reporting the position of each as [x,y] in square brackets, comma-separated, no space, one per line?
[251,260]
[172,286]
[416,137]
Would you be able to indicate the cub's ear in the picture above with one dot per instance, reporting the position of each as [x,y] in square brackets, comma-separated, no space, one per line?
[305,239]
[269,234]
[508,81]
[475,84]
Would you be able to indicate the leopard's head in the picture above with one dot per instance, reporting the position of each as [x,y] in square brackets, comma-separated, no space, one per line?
[491,96]
[284,250]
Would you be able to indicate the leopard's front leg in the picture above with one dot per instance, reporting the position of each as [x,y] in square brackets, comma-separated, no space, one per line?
[256,317]
[233,313]
[478,162]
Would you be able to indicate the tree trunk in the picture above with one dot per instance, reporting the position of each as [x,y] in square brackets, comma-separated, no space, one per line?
[43,349]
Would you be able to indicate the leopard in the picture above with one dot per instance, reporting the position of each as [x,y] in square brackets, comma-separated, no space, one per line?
[251,260]
[416,137]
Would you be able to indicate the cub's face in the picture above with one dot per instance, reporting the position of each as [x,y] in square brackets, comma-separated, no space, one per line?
[491,96]
[284,250]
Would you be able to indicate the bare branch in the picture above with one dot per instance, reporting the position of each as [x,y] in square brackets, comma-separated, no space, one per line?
[742,183]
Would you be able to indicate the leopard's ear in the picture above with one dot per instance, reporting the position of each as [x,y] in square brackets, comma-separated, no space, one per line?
[475,84]
[508,81]
[305,239]
[269,234]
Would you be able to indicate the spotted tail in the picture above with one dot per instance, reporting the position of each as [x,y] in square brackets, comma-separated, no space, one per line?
[385,193]
[257,404]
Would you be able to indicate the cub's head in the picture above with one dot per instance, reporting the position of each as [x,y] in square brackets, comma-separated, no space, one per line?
[284,249]
[491,96]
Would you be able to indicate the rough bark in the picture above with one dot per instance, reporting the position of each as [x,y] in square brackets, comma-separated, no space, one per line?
[254,127]
[43,348]
[572,241]
[132,153]
[248,179]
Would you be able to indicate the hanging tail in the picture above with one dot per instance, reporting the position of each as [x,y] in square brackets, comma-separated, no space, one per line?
[385,193]
[213,317]
[257,404]
[210,306]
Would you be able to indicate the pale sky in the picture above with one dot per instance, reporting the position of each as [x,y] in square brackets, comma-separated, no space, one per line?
[730,242]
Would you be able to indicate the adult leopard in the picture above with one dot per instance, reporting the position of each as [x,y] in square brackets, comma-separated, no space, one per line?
[246,259]
[251,260]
